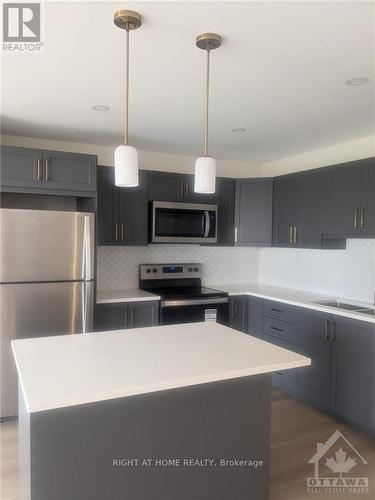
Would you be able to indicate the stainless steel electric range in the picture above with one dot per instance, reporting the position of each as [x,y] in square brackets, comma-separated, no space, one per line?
[183,298]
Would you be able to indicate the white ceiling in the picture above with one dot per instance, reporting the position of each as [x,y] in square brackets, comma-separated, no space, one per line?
[280,74]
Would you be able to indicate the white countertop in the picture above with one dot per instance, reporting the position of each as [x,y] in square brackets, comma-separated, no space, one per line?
[124,295]
[56,372]
[296,298]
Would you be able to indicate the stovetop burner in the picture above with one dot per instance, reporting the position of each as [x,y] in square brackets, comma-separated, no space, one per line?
[186,292]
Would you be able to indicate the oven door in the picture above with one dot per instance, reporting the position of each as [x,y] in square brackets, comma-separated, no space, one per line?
[175,312]
[183,223]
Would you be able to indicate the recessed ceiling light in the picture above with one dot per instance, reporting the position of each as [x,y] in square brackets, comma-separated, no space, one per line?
[359,80]
[100,107]
[239,130]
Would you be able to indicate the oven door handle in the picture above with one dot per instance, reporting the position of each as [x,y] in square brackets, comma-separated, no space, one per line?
[193,302]
[208,223]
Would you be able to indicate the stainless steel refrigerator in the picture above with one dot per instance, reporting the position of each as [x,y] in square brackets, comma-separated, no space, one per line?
[46,282]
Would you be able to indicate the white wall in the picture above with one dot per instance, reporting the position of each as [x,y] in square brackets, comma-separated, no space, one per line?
[363,147]
[148,160]
[118,266]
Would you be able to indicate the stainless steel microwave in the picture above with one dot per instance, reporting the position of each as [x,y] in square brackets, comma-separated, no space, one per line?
[183,223]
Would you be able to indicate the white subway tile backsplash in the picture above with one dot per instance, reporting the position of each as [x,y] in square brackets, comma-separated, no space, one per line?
[346,273]
[118,266]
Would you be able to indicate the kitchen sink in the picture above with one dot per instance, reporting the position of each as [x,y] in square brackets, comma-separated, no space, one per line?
[342,305]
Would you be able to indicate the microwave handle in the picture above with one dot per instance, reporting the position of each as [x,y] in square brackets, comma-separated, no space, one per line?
[208,223]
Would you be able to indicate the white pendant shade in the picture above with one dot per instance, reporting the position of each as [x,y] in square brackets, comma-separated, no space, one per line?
[126,166]
[205,175]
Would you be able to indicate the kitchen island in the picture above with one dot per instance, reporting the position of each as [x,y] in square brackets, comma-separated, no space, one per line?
[162,413]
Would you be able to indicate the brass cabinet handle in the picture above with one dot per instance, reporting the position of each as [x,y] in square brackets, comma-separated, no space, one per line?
[356,217]
[186,189]
[36,175]
[47,170]
[362,217]
[290,234]
[116,232]
[235,234]
[295,234]
[122,232]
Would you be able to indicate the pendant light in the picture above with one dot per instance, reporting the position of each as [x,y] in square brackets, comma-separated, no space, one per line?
[126,157]
[205,166]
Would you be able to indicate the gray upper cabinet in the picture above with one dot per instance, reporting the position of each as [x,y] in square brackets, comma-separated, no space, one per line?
[167,186]
[69,171]
[122,214]
[348,199]
[297,210]
[21,167]
[353,371]
[368,200]
[253,212]
[285,210]
[313,382]
[30,170]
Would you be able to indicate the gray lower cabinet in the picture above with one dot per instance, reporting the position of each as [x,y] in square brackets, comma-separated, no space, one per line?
[238,312]
[255,316]
[30,170]
[341,377]
[314,332]
[121,315]
[353,371]
[253,212]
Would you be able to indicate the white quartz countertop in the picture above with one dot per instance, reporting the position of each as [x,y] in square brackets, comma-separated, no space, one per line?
[124,295]
[56,372]
[294,297]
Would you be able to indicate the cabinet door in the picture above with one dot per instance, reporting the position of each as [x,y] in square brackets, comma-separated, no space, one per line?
[353,369]
[368,203]
[142,314]
[314,342]
[255,316]
[341,199]
[309,228]
[226,205]
[253,218]
[21,167]
[69,171]
[165,186]
[238,313]
[133,213]
[285,209]
[106,216]
[110,317]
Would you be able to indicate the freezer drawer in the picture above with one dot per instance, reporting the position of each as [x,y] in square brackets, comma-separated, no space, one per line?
[43,245]
[38,310]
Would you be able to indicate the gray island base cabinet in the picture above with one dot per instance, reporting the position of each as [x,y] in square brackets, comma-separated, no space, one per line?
[167,445]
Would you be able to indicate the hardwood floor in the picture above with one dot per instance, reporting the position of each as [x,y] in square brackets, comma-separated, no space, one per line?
[296,429]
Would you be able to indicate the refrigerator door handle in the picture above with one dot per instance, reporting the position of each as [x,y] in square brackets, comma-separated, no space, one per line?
[88,273]
[87,307]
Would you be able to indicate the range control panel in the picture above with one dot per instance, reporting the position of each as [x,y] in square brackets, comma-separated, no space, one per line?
[169,271]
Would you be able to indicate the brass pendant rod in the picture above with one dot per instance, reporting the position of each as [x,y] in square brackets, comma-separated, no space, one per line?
[126,137]
[207,92]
